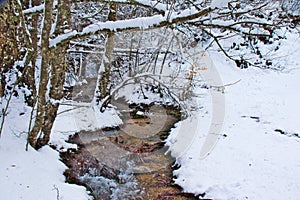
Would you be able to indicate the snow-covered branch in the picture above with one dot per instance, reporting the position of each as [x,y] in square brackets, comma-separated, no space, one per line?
[37,9]
[141,23]
[158,7]
[174,96]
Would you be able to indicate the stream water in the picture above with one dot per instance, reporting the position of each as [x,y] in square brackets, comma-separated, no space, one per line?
[130,161]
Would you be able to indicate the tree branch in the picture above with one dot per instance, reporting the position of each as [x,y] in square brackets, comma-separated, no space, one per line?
[156,6]
[142,23]
[144,75]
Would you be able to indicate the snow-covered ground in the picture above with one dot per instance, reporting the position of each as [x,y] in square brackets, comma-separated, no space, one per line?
[31,174]
[250,161]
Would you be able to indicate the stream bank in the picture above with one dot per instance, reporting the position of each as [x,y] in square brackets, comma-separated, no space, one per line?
[129,161]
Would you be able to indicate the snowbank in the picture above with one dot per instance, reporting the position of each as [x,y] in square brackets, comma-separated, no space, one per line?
[251,159]
[31,174]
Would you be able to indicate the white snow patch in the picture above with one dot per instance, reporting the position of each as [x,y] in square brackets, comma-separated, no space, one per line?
[219,3]
[251,160]
[31,174]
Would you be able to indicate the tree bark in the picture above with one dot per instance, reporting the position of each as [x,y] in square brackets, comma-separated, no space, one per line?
[34,39]
[57,67]
[44,77]
[9,51]
[108,57]
[30,42]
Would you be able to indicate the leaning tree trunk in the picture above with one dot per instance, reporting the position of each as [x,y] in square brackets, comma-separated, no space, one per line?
[53,71]
[44,77]
[9,47]
[58,69]
[107,58]
[29,72]
[29,42]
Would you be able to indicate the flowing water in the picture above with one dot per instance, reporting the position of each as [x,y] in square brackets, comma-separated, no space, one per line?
[130,161]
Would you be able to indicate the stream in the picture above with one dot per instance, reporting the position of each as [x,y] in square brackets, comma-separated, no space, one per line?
[129,161]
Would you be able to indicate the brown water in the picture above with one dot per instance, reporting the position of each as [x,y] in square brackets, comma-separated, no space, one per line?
[130,161]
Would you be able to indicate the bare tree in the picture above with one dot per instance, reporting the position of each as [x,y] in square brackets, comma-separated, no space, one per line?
[108,56]
[53,71]
[247,23]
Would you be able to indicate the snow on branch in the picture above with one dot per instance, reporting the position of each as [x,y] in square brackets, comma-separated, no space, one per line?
[37,9]
[141,23]
[174,96]
[159,7]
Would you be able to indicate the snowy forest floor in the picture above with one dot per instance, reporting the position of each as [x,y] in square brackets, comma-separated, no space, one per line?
[256,158]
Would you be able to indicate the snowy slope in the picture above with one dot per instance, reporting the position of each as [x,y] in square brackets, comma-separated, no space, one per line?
[31,174]
[251,160]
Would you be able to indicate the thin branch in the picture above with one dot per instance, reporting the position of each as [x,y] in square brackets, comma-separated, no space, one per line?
[144,75]
[57,192]
[4,111]
[229,27]
[157,7]
[223,86]
[246,11]
[142,23]
[96,13]
[37,9]
[30,121]
[76,105]
[218,43]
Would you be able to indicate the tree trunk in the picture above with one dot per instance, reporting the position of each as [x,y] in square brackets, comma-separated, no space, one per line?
[30,42]
[44,77]
[9,51]
[108,57]
[29,74]
[55,64]
[58,68]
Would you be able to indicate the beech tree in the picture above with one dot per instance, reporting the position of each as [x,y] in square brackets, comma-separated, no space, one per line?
[53,68]
[9,49]
[16,54]
[107,59]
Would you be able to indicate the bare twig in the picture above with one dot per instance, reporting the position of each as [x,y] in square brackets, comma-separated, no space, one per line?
[119,27]
[4,111]
[30,121]
[145,75]
[223,86]
[57,192]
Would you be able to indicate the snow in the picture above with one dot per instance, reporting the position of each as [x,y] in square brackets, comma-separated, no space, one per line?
[20,180]
[137,23]
[219,3]
[35,174]
[34,9]
[80,116]
[141,22]
[37,9]
[251,160]
[31,174]
[140,113]
[248,159]
[60,38]
[153,4]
